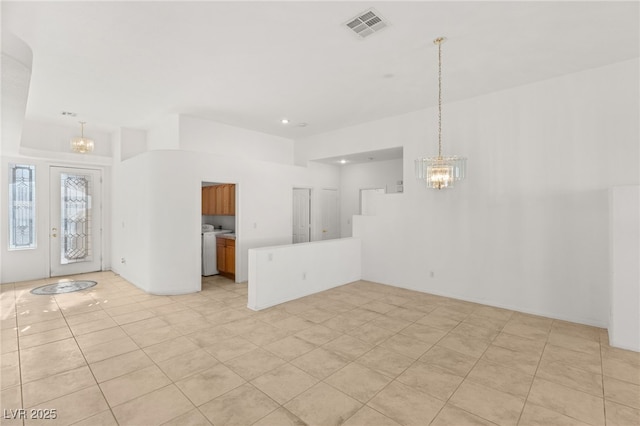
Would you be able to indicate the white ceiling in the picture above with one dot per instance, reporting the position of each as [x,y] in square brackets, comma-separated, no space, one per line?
[249,64]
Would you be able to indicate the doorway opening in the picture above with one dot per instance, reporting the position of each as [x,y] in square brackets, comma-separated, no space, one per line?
[219,230]
[330,214]
[301,215]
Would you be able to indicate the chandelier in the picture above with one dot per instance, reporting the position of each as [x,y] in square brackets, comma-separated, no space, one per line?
[81,144]
[441,171]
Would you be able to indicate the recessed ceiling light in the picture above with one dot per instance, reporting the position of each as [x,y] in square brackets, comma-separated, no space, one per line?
[68,113]
[303,124]
[343,161]
[284,121]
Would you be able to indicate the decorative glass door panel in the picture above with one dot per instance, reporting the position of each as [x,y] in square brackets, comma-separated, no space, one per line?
[75,229]
[75,221]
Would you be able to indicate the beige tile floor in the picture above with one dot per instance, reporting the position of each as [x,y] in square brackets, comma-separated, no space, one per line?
[360,354]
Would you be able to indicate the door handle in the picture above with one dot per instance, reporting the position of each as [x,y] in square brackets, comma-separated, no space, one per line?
[54,235]
[324,230]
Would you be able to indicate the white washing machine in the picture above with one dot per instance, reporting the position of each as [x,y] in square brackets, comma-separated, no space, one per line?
[209,257]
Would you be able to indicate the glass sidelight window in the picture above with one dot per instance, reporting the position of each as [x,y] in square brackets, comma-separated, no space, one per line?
[22,206]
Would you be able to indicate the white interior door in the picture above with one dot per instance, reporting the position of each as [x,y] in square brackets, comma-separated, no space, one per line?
[301,215]
[329,214]
[75,221]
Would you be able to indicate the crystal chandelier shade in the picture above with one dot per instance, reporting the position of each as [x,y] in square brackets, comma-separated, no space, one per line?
[81,145]
[441,171]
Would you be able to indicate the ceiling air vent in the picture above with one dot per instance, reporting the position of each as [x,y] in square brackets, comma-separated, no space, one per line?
[366,23]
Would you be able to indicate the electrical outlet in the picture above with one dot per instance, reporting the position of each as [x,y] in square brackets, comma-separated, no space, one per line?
[432,274]
[304,275]
[123,260]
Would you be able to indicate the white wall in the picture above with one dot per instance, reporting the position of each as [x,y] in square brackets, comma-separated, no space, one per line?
[132,143]
[131,244]
[17,61]
[354,177]
[158,197]
[528,229]
[216,138]
[390,132]
[624,325]
[280,274]
[164,133]
[47,137]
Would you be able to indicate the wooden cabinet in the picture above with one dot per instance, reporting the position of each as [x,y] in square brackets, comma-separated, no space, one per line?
[232,200]
[220,254]
[230,258]
[205,199]
[226,257]
[212,200]
[219,200]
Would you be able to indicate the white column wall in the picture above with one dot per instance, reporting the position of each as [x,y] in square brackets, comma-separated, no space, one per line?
[624,323]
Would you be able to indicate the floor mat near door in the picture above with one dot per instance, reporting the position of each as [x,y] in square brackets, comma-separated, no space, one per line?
[64,287]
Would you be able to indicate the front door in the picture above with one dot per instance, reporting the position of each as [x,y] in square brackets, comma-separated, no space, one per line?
[75,221]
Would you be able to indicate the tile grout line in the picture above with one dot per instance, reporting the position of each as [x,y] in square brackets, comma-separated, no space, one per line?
[342,368]
[196,407]
[535,374]
[245,381]
[467,375]
[604,399]
[15,307]
[87,362]
[412,363]
[288,362]
[555,383]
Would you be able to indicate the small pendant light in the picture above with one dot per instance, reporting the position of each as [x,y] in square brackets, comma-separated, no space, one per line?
[81,145]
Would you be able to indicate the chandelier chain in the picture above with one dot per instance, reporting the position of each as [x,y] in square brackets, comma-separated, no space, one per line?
[440,98]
